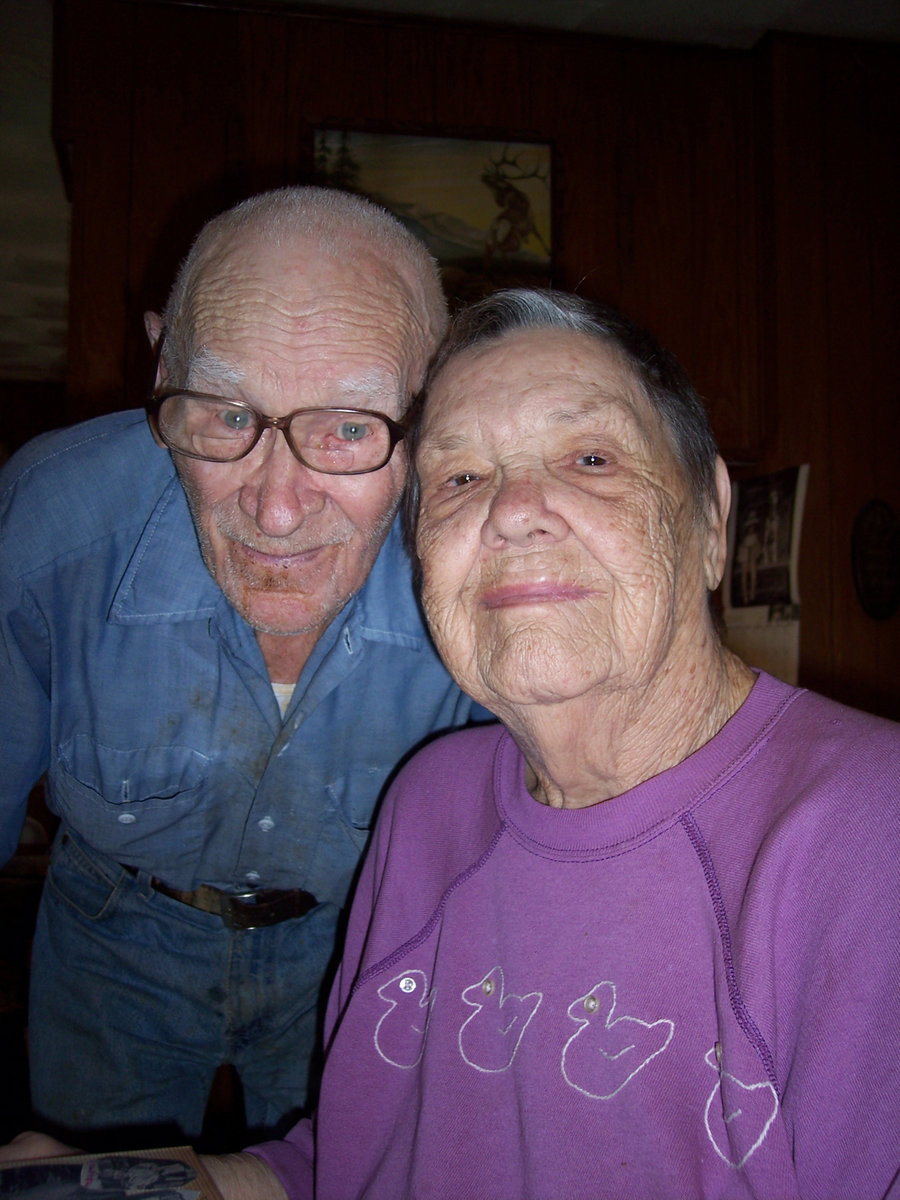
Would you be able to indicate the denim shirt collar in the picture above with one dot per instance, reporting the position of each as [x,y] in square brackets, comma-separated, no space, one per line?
[166,578]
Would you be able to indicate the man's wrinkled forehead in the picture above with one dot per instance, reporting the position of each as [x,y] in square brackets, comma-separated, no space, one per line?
[296,289]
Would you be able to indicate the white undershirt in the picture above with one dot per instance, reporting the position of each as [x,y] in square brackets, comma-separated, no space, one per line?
[283,693]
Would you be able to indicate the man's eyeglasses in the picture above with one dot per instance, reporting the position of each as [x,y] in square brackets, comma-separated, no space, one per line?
[336,441]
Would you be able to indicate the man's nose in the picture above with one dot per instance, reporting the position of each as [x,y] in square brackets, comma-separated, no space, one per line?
[279,492]
[522,513]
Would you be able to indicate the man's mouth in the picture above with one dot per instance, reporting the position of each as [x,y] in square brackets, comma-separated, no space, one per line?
[278,558]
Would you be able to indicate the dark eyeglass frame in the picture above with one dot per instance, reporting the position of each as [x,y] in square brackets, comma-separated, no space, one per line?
[396,431]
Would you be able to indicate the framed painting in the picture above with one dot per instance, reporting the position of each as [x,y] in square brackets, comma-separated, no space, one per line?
[483,207]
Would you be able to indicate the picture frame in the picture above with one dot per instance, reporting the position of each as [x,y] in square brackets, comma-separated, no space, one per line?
[169,1173]
[760,589]
[764,539]
[483,205]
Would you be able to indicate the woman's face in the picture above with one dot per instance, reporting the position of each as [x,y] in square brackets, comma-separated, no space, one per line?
[560,546]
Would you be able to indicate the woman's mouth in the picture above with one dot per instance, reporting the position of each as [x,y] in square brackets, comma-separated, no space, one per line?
[522,593]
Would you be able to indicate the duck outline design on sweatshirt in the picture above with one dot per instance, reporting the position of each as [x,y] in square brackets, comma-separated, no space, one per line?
[737,1124]
[490,1037]
[401,1031]
[606,1052]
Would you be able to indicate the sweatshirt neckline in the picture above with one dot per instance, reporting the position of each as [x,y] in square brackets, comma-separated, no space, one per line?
[644,812]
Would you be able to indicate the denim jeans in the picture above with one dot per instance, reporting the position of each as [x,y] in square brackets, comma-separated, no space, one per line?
[136,999]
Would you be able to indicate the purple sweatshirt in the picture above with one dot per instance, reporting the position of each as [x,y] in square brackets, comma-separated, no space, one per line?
[688,991]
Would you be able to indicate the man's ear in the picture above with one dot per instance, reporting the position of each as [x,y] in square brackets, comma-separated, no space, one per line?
[717,534]
[153,324]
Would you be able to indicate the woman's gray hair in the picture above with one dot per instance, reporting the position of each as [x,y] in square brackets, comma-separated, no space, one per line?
[657,372]
[334,220]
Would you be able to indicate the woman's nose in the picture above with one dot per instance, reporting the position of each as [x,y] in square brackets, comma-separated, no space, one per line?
[522,513]
[279,492]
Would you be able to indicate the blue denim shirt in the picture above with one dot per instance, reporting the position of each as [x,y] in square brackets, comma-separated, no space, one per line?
[126,675]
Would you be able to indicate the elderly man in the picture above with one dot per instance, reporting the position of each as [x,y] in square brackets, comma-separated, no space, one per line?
[209,643]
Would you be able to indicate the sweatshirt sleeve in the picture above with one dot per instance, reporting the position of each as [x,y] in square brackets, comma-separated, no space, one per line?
[292,1160]
[817,943]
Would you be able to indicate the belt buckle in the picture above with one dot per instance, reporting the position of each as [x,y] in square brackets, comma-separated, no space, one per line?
[239,912]
[258,910]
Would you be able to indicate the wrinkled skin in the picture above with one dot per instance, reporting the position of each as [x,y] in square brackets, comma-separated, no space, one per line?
[566,569]
[284,327]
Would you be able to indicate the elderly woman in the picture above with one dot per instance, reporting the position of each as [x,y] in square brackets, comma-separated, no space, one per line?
[640,941]
[643,941]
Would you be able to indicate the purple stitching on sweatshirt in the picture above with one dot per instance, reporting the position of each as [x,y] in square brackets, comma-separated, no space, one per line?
[424,933]
[741,1013]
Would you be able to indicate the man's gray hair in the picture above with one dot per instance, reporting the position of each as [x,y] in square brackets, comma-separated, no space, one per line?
[656,371]
[334,220]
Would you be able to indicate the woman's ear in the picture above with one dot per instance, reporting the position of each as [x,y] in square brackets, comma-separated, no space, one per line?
[717,530]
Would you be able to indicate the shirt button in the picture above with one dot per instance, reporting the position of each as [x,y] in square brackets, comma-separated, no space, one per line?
[126,818]
[253,876]
[266,824]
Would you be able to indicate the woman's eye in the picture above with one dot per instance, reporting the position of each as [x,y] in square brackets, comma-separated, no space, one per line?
[456,481]
[591,460]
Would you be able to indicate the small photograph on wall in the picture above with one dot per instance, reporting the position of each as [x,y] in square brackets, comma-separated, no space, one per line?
[765,533]
[760,591]
[482,207]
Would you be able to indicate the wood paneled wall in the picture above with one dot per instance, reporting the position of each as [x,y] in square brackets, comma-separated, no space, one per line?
[831,285]
[172,112]
[735,202]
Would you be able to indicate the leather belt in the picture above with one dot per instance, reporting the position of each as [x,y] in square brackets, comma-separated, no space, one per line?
[240,910]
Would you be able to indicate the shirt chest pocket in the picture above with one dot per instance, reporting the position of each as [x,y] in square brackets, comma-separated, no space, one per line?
[102,790]
[355,793]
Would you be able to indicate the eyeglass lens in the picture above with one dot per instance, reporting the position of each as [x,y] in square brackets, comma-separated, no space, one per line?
[330,440]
